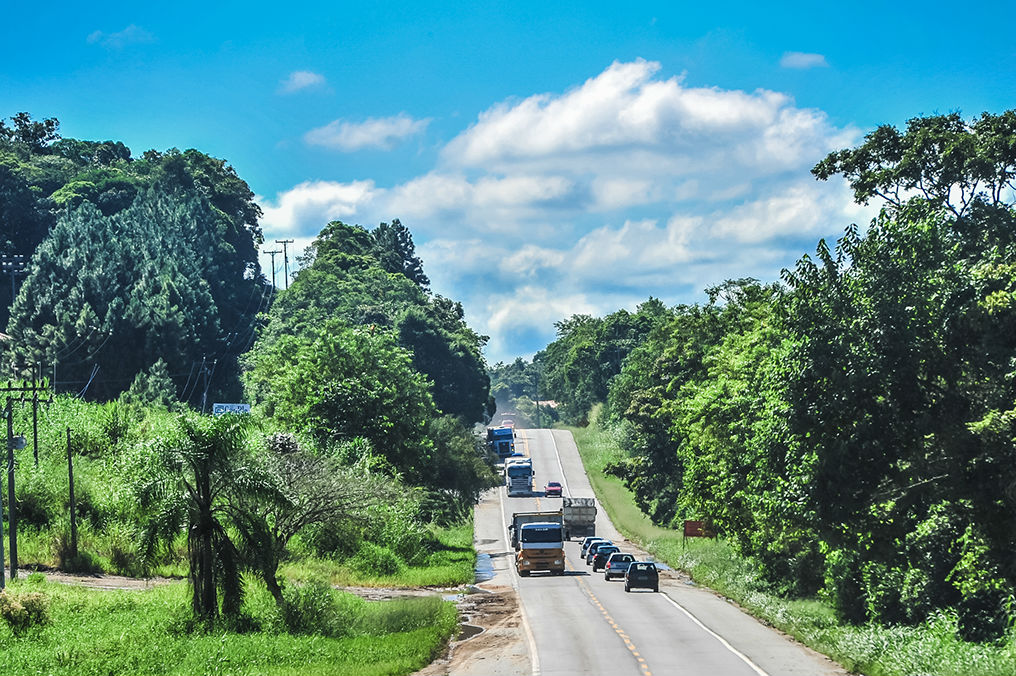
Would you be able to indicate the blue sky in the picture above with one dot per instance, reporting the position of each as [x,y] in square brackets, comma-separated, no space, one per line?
[550,158]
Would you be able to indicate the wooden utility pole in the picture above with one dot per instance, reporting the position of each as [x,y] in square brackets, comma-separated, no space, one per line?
[36,376]
[10,441]
[70,477]
[272,254]
[285,257]
[24,389]
[11,509]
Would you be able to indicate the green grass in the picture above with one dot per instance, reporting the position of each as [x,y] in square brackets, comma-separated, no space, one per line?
[870,649]
[452,563]
[101,632]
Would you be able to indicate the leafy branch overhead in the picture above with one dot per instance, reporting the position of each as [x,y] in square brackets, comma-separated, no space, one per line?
[941,159]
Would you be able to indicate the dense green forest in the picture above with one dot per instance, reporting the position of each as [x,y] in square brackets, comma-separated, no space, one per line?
[141,302]
[852,429]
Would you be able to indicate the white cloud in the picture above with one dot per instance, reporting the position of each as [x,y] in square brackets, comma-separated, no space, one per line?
[307,207]
[130,35]
[299,80]
[627,120]
[803,60]
[383,132]
[595,198]
[528,309]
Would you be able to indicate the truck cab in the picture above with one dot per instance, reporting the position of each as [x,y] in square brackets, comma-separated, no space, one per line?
[541,547]
[518,476]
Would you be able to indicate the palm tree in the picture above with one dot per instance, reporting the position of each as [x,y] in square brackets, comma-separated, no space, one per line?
[198,472]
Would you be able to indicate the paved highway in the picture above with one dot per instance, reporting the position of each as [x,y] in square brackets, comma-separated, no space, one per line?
[579,623]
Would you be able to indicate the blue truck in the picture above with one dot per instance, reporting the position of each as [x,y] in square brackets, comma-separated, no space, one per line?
[501,440]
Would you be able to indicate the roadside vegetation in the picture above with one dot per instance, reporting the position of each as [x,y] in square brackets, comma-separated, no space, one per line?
[849,431]
[141,303]
[152,632]
[931,648]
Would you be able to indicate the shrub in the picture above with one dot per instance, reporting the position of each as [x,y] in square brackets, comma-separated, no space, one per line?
[375,560]
[71,561]
[399,615]
[24,612]
[124,555]
[312,609]
[37,498]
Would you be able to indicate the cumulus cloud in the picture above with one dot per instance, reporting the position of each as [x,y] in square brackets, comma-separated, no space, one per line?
[626,119]
[299,80]
[588,200]
[306,208]
[130,35]
[381,132]
[803,60]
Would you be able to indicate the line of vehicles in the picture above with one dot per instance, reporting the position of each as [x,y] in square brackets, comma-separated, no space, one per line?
[538,540]
[538,537]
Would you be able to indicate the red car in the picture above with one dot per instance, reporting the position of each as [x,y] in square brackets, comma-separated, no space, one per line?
[552,489]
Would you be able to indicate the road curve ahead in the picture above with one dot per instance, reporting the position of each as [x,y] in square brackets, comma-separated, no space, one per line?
[579,623]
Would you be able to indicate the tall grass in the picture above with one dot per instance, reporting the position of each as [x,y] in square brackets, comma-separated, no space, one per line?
[96,632]
[450,561]
[876,650]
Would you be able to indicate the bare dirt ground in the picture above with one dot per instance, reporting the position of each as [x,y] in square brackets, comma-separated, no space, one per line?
[491,633]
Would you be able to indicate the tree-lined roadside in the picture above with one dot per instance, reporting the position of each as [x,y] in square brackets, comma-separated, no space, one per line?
[138,302]
[850,430]
[932,648]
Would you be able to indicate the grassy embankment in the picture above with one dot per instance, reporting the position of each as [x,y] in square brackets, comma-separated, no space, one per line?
[869,649]
[129,632]
[146,632]
[450,563]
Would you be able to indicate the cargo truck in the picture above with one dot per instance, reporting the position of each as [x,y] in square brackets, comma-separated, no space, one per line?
[501,441]
[578,517]
[518,476]
[538,540]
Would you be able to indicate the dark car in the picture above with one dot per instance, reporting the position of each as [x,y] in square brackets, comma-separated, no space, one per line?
[617,565]
[552,489]
[601,556]
[589,540]
[642,574]
[591,552]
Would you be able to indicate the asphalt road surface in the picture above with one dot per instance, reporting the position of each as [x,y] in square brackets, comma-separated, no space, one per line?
[579,623]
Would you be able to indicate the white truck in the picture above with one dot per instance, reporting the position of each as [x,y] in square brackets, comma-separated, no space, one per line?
[518,476]
[578,517]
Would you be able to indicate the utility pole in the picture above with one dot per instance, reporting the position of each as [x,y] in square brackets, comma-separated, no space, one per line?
[36,377]
[207,373]
[70,477]
[15,265]
[285,257]
[272,254]
[11,510]
[10,441]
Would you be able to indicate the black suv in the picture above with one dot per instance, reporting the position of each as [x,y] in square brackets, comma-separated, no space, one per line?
[642,574]
[602,554]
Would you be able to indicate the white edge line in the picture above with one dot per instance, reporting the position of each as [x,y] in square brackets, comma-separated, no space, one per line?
[530,639]
[756,668]
[557,454]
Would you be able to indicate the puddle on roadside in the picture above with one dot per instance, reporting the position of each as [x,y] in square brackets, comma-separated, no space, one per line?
[468,631]
[484,569]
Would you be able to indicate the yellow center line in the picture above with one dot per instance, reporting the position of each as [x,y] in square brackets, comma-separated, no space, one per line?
[617,629]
